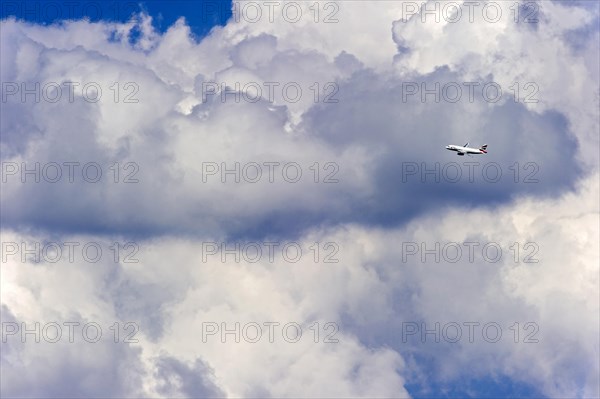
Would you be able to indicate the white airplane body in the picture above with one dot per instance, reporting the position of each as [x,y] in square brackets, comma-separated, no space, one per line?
[465,149]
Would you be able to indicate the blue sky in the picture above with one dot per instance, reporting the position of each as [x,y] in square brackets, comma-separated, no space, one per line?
[201,16]
[369,137]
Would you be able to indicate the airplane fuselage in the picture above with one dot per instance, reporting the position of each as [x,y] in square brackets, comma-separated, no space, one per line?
[462,150]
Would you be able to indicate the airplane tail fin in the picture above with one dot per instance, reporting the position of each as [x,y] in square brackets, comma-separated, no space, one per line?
[483,148]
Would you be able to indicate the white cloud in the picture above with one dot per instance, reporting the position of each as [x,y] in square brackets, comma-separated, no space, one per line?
[171,131]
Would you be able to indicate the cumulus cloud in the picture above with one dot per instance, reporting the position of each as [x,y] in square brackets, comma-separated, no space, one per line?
[202,141]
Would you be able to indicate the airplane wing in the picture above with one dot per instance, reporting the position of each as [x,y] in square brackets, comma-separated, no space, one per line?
[466,145]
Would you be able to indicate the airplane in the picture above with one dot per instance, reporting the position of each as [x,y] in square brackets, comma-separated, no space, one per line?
[465,149]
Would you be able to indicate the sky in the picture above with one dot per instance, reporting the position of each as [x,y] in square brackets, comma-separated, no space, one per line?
[254,199]
[199,16]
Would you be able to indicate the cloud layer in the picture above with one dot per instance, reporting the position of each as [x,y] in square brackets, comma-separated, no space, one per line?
[353,171]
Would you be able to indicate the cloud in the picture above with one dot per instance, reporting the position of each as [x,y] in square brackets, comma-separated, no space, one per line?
[171,140]
[368,143]
[168,295]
